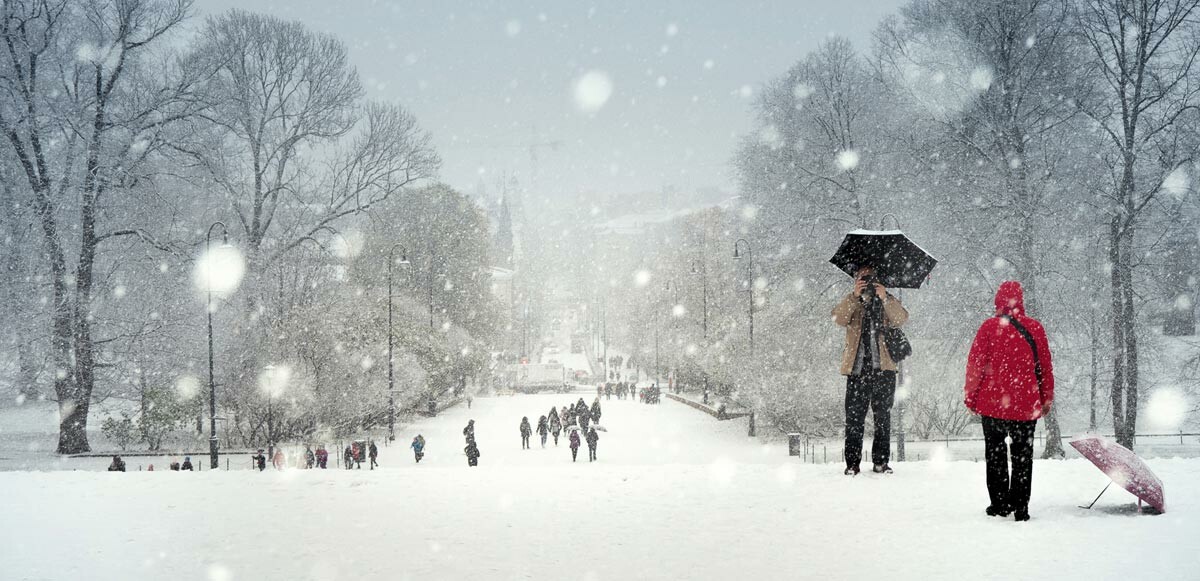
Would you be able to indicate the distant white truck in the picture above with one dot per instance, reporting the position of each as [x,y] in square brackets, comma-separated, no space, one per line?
[536,377]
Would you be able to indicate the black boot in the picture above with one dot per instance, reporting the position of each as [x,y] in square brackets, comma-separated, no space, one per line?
[997,510]
[1021,513]
[881,469]
[851,471]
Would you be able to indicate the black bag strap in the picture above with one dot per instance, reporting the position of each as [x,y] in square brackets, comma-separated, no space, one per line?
[1037,363]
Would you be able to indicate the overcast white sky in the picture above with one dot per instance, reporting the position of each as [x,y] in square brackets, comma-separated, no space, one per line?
[488,78]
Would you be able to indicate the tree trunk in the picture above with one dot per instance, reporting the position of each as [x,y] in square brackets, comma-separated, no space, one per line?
[1028,270]
[1094,377]
[84,348]
[27,368]
[1125,373]
[72,427]
[1180,274]
[1131,340]
[16,268]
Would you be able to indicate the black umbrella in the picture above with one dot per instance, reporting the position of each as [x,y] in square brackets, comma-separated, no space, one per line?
[898,262]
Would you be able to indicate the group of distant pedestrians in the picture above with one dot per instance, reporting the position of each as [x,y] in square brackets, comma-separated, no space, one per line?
[629,390]
[353,457]
[118,465]
[573,419]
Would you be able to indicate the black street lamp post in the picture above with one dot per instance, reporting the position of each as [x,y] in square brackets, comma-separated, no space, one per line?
[604,337]
[213,446]
[391,339]
[750,278]
[657,380]
[431,285]
[269,380]
[702,271]
[673,287]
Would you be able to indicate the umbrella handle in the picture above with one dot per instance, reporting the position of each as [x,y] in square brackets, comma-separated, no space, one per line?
[1089,507]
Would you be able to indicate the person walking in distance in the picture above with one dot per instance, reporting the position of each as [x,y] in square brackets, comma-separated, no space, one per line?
[322,457]
[373,452]
[472,451]
[593,439]
[573,439]
[118,465]
[869,369]
[543,429]
[526,431]
[1010,383]
[418,447]
[555,424]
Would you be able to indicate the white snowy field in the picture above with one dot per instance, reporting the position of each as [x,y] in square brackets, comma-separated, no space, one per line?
[675,494]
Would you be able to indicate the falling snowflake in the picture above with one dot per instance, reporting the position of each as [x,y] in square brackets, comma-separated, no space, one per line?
[592,91]
[847,159]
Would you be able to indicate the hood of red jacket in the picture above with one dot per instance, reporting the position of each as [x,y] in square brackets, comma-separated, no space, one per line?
[1010,298]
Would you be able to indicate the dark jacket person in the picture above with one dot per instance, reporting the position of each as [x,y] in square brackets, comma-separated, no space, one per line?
[868,367]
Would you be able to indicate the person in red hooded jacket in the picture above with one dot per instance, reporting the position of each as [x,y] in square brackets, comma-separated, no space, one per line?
[1010,383]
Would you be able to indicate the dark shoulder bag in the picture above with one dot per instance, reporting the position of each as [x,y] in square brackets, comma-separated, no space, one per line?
[897,344]
[1037,363]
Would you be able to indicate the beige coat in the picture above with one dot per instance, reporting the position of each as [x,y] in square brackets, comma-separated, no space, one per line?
[849,314]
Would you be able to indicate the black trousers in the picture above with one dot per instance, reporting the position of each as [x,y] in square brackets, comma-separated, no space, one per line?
[876,390]
[1011,493]
[524,442]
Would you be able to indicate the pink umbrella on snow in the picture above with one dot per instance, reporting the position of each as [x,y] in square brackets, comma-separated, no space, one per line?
[1124,468]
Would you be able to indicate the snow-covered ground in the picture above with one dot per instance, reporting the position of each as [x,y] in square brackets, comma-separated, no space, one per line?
[675,494]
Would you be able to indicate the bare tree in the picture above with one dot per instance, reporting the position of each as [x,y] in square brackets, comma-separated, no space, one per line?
[77,123]
[1017,72]
[279,90]
[1143,59]
[292,151]
[18,282]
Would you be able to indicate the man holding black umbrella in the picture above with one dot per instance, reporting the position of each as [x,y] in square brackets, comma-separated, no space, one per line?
[869,369]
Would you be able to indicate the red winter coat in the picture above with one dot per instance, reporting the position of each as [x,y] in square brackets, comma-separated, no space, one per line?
[1001,382]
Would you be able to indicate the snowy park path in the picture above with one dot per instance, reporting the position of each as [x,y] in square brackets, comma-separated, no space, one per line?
[674,495]
[667,433]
